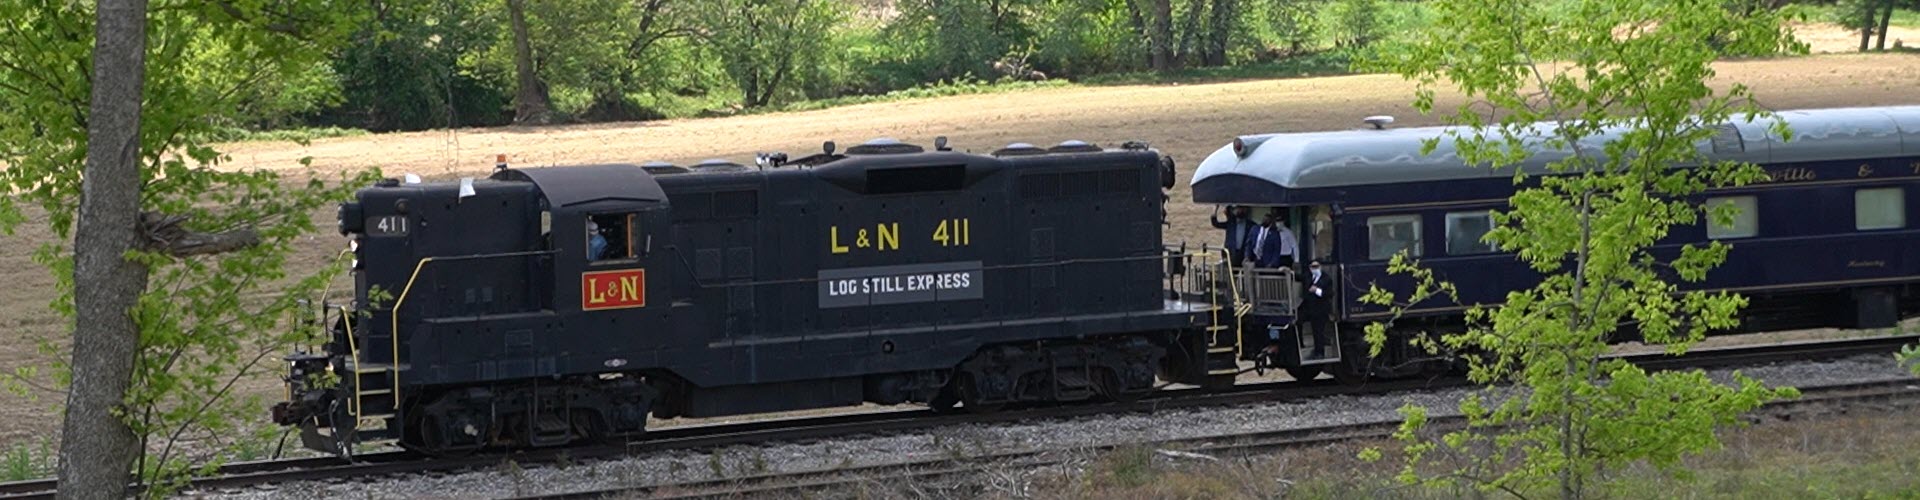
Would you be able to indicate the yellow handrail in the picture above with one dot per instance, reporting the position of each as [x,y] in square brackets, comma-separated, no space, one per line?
[393,333]
[353,348]
[1238,346]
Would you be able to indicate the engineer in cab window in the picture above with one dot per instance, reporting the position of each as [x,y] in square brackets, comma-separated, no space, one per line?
[596,243]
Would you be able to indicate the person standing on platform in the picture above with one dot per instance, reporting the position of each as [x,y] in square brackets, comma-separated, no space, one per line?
[1240,232]
[1316,307]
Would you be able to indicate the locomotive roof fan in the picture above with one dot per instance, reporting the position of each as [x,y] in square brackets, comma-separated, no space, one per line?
[1074,146]
[884,146]
[1019,149]
[658,167]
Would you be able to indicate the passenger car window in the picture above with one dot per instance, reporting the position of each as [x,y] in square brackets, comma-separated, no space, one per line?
[1746,219]
[1879,208]
[609,237]
[1464,230]
[1389,234]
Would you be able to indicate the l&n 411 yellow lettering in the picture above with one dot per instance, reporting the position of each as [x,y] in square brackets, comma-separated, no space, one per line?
[953,232]
[886,236]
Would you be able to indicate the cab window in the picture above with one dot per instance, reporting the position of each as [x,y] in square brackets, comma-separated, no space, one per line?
[609,237]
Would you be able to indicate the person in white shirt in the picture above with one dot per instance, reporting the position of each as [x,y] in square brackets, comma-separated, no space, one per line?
[1289,244]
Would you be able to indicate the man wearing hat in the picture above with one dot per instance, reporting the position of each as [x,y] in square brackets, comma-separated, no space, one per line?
[596,244]
[1316,306]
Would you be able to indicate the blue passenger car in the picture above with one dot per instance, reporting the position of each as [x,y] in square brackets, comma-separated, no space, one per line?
[1828,240]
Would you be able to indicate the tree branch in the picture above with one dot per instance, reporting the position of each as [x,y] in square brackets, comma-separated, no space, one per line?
[164,233]
[287,24]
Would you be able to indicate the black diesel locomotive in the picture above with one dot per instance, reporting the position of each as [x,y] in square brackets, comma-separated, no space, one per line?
[543,306]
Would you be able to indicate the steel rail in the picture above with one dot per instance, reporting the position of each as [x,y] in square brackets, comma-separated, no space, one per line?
[818,481]
[703,436]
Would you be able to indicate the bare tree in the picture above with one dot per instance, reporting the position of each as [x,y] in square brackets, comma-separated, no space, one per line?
[1867,11]
[1219,32]
[531,105]
[1161,35]
[1886,19]
[97,447]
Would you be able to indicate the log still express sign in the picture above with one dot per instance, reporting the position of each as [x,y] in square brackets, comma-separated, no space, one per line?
[862,286]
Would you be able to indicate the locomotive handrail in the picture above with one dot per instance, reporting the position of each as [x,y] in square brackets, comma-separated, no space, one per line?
[353,348]
[1238,345]
[393,333]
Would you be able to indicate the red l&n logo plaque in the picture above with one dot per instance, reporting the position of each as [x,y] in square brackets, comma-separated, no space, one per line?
[613,289]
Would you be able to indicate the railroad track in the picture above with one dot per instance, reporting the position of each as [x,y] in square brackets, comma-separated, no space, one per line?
[933,470]
[812,428]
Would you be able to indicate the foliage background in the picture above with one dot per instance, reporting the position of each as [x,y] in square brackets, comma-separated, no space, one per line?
[449,63]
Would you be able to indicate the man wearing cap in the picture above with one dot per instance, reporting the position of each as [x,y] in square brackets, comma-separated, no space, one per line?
[596,243]
[1316,306]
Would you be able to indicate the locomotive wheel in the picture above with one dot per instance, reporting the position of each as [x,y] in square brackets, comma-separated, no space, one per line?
[433,440]
[1304,373]
[944,399]
[1346,373]
[1219,382]
[943,402]
[1113,390]
[970,397]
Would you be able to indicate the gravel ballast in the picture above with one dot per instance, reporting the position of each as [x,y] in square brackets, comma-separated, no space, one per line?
[965,440]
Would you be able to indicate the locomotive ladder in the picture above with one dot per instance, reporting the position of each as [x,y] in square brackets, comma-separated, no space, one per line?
[373,402]
[376,397]
[1223,333]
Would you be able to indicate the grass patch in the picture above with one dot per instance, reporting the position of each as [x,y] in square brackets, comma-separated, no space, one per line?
[937,89]
[23,462]
[1327,63]
[1902,18]
[1855,455]
[302,134]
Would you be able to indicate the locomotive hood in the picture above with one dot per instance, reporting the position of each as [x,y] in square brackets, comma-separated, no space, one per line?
[578,185]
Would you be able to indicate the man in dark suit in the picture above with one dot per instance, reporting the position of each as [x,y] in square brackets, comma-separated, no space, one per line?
[1269,247]
[1316,306]
[1240,231]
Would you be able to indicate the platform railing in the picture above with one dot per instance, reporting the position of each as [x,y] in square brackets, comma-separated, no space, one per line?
[1271,291]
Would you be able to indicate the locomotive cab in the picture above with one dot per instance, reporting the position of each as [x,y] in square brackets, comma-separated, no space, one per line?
[530,274]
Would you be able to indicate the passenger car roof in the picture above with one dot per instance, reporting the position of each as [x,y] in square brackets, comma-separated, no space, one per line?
[1360,157]
[574,185]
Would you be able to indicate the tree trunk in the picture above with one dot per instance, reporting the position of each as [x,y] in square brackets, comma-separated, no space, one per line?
[1886,19]
[1866,28]
[97,448]
[530,103]
[1161,35]
[1192,34]
[1220,32]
